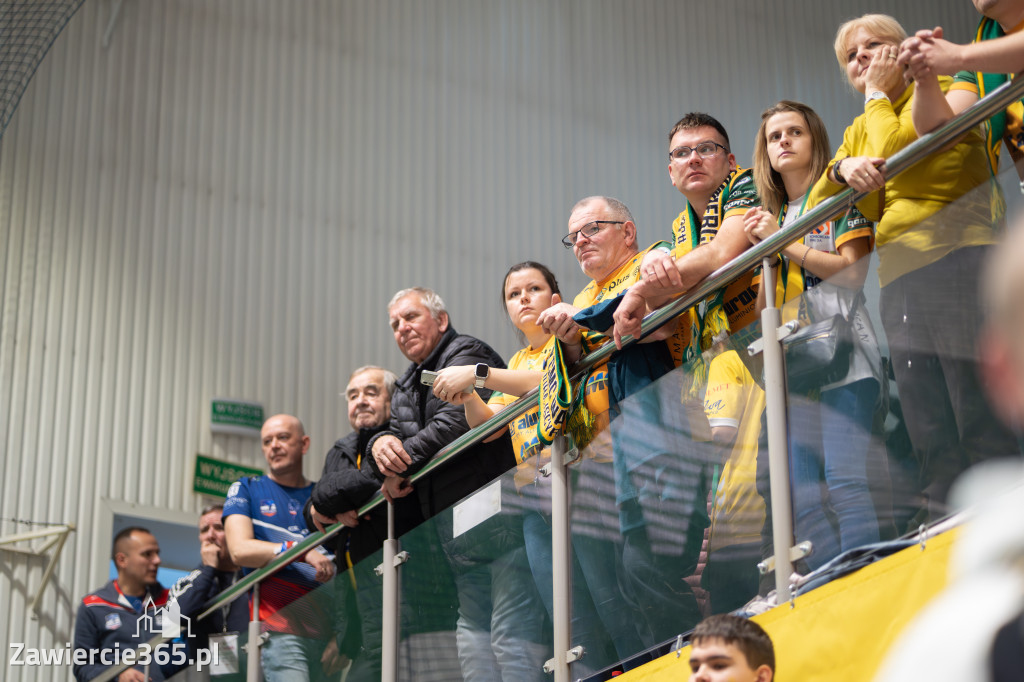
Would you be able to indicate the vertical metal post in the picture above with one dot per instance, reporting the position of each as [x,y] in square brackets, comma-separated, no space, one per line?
[561,583]
[778,441]
[252,651]
[389,615]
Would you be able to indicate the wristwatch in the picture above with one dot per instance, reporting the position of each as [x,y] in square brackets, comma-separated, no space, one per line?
[875,94]
[482,372]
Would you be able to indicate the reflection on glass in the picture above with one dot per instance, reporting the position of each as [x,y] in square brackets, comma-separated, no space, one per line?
[501,628]
[734,406]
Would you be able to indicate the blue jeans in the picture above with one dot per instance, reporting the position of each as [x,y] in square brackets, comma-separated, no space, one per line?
[291,658]
[501,621]
[829,441]
[602,621]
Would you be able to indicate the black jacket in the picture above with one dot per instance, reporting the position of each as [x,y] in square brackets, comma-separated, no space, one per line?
[344,486]
[200,586]
[426,424]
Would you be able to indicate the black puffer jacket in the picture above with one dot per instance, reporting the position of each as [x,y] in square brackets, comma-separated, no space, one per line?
[426,424]
[344,486]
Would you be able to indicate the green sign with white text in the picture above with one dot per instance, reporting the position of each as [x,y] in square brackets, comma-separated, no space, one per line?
[214,477]
[236,417]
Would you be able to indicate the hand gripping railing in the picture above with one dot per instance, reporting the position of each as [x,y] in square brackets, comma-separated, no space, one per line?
[996,101]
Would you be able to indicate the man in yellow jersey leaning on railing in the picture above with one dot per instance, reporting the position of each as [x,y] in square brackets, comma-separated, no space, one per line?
[660,498]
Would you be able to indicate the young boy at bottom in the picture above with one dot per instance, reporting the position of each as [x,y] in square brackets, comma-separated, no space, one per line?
[731,648]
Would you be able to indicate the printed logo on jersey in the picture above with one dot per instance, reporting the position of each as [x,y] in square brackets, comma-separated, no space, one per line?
[294,507]
[527,421]
[268,508]
[713,406]
[598,382]
[820,238]
[235,487]
[112,621]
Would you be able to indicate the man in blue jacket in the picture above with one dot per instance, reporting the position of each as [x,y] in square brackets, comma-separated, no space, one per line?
[125,613]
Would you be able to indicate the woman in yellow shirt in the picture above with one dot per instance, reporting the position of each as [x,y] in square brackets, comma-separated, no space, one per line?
[602,620]
[933,222]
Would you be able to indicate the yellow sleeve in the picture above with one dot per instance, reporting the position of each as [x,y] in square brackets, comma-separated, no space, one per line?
[824,187]
[886,132]
[963,85]
[854,144]
[723,400]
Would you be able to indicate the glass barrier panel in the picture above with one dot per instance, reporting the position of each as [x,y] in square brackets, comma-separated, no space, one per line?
[213,647]
[322,630]
[668,523]
[475,608]
[317,628]
[736,442]
[670,499]
[886,402]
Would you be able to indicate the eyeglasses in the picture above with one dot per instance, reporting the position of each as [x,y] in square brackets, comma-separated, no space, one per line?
[589,231]
[704,150]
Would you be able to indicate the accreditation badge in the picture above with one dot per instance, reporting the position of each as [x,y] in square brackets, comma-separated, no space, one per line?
[224,646]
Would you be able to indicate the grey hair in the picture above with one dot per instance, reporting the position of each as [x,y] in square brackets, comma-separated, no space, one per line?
[390,379]
[618,209]
[428,297]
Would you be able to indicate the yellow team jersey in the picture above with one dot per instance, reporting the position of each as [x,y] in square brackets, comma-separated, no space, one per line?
[523,430]
[735,400]
[596,396]
[735,306]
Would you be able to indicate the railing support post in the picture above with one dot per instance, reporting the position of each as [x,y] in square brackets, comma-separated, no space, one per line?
[390,606]
[778,441]
[252,651]
[561,583]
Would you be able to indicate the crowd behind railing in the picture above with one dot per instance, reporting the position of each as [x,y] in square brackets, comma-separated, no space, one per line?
[670,502]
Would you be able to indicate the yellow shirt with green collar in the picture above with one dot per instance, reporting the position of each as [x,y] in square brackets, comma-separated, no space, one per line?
[912,229]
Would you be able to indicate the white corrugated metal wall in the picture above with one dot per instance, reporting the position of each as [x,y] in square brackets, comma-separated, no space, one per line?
[222,201]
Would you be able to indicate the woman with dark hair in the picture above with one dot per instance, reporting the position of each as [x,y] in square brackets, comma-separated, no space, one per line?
[528,289]
[602,620]
[830,437]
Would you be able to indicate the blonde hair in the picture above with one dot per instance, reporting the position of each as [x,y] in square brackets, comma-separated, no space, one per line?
[880,25]
[770,188]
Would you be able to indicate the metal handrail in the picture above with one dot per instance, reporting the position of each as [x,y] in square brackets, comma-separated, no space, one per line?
[996,101]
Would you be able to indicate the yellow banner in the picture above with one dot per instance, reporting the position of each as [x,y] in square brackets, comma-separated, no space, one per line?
[842,631]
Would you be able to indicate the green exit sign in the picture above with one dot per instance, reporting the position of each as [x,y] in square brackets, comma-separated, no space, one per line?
[214,476]
[236,417]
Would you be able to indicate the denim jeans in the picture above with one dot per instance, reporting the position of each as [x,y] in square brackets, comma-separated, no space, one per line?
[291,658]
[602,620]
[829,441]
[501,621]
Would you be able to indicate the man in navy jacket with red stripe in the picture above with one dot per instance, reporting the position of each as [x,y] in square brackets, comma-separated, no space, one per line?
[125,613]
